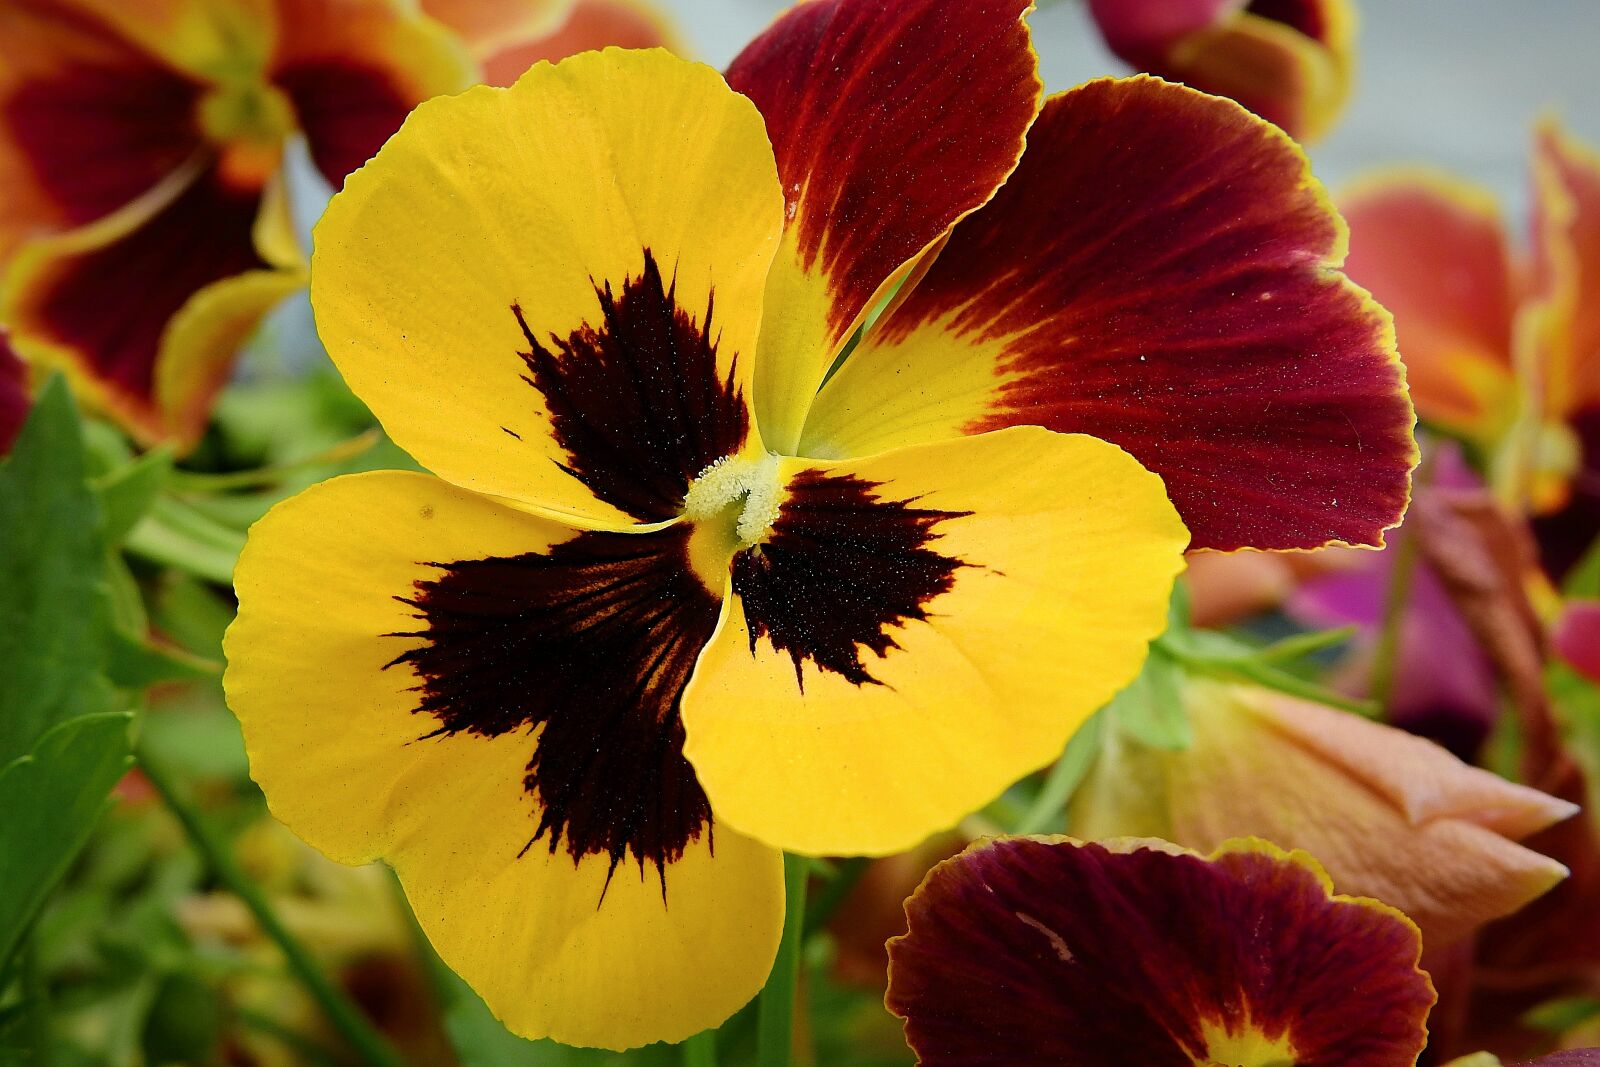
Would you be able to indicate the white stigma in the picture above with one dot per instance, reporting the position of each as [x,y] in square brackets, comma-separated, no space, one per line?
[755,480]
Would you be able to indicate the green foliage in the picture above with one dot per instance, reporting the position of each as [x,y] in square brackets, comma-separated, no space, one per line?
[62,744]
[52,799]
[480,1041]
[54,614]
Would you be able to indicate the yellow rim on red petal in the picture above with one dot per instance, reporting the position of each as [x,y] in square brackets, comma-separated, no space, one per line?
[1565,310]
[1130,951]
[351,596]
[484,283]
[146,308]
[923,627]
[1174,328]
[890,122]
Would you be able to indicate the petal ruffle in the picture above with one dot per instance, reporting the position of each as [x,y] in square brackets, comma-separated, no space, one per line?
[551,292]
[355,69]
[1566,269]
[106,302]
[921,628]
[1159,273]
[487,699]
[88,122]
[890,122]
[1047,950]
[1433,251]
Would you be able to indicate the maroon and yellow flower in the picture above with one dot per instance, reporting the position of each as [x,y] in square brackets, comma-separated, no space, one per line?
[1502,347]
[1391,815]
[1289,61]
[672,603]
[1049,950]
[144,219]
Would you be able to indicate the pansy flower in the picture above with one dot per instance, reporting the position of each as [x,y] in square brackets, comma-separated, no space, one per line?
[1502,347]
[1391,815]
[671,603]
[1049,950]
[1289,61]
[140,145]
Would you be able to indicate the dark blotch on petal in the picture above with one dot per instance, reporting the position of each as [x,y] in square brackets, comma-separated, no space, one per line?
[637,402]
[594,641]
[840,568]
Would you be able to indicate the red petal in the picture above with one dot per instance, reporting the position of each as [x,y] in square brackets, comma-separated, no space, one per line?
[1050,951]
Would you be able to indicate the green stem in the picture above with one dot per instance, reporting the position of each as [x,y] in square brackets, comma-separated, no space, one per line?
[1380,683]
[1047,811]
[342,1013]
[701,1050]
[304,1047]
[37,996]
[775,1028]
[820,909]
[263,477]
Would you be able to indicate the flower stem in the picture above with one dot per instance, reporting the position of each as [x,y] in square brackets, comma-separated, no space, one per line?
[342,1013]
[701,1050]
[775,1030]
[1397,598]
[821,908]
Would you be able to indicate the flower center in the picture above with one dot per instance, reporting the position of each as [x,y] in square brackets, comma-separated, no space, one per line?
[247,120]
[1556,458]
[732,504]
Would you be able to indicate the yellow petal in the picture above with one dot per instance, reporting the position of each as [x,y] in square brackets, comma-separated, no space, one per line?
[579,948]
[541,197]
[923,627]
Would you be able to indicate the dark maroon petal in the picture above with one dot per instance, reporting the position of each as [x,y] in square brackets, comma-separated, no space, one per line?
[354,69]
[1160,273]
[88,121]
[1033,951]
[346,110]
[889,122]
[14,399]
[1566,536]
[108,306]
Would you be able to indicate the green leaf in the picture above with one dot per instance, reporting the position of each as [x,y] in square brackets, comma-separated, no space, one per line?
[134,663]
[1151,708]
[1048,811]
[175,534]
[129,491]
[53,602]
[52,797]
